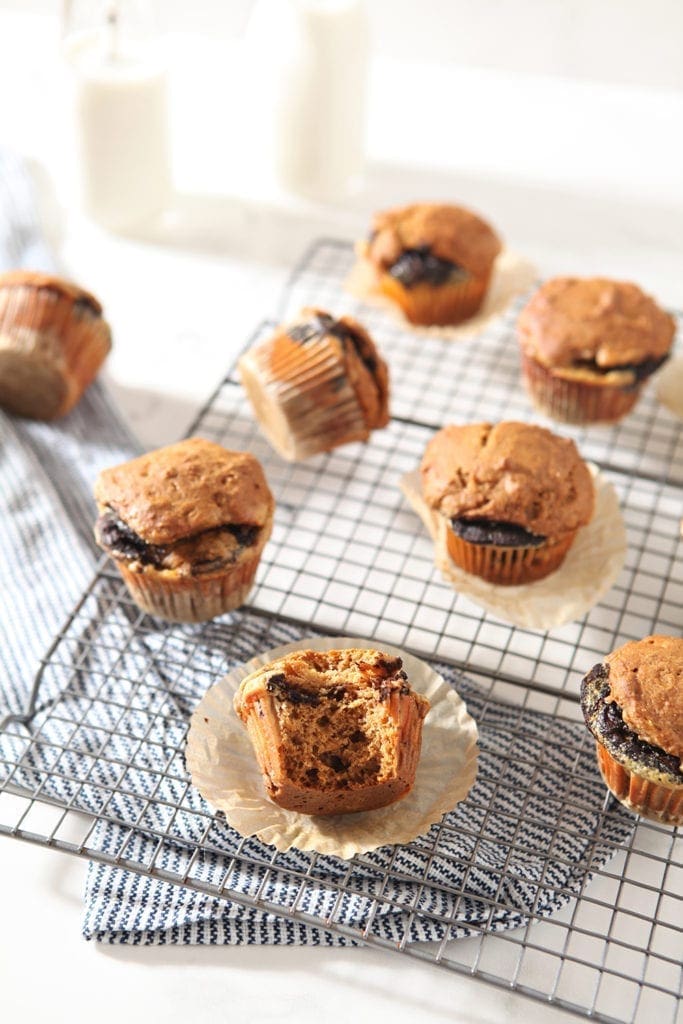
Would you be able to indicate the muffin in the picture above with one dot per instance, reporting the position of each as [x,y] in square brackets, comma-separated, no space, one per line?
[186,526]
[588,345]
[317,383]
[633,706]
[513,496]
[432,260]
[334,732]
[53,341]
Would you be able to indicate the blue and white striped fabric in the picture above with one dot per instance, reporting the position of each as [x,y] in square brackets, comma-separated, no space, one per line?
[47,556]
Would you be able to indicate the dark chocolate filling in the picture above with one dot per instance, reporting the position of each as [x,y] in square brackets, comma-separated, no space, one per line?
[284,689]
[321,325]
[416,265]
[494,532]
[84,305]
[123,542]
[639,371]
[604,719]
[118,538]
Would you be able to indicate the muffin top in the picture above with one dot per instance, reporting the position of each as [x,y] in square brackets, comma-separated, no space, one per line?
[593,320]
[646,681]
[365,369]
[509,472]
[305,676]
[34,279]
[184,489]
[450,233]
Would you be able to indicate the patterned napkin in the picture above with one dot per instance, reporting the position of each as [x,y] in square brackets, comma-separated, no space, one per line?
[47,558]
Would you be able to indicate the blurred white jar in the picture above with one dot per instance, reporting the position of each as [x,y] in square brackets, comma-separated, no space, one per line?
[121,109]
[308,69]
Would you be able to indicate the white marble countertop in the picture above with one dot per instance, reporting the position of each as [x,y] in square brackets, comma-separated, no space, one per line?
[578,178]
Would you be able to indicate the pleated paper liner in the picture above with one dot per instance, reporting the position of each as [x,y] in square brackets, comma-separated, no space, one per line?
[424,304]
[302,397]
[589,570]
[223,766]
[512,275]
[575,401]
[643,796]
[177,598]
[507,565]
[670,386]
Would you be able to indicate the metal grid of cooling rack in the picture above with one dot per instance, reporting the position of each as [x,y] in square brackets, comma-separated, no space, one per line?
[539,882]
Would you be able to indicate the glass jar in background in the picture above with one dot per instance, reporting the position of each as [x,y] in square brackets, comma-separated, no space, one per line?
[121,109]
[308,70]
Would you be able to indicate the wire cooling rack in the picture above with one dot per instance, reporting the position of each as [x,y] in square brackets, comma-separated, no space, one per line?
[539,882]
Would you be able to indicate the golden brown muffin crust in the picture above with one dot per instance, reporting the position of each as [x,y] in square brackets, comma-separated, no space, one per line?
[510,472]
[451,233]
[646,681]
[181,490]
[34,279]
[613,323]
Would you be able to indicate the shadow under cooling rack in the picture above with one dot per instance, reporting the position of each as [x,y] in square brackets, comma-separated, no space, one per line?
[539,882]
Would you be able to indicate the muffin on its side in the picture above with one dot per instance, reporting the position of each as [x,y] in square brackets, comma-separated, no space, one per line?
[433,260]
[53,341]
[633,706]
[514,496]
[588,345]
[334,732]
[186,526]
[316,383]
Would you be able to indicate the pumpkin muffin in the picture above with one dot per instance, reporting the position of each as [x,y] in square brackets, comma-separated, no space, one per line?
[588,345]
[53,341]
[185,526]
[633,706]
[514,496]
[316,383]
[334,732]
[432,260]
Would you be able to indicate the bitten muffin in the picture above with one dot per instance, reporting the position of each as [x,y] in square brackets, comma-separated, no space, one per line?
[433,260]
[53,341]
[317,383]
[588,345]
[333,732]
[633,706]
[186,526]
[514,496]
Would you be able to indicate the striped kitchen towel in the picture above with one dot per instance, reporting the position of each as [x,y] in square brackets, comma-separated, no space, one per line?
[47,557]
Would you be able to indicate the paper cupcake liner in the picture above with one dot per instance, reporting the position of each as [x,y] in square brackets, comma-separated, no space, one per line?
[512,275]
[670,386]
[223,766]
[574,401]
[425,304]
[50,351]
[589,570]
[649,799]
[507,565]
[302,397]
[191,598]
